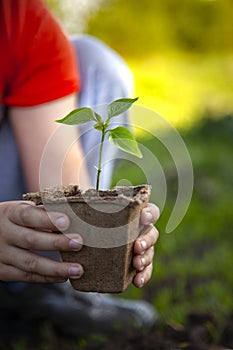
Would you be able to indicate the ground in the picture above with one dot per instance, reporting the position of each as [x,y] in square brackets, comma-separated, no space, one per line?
[197,334]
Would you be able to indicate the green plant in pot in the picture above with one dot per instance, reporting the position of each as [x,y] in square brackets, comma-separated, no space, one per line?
[108,220]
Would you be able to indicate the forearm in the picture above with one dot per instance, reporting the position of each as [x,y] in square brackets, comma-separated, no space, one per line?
[50,153]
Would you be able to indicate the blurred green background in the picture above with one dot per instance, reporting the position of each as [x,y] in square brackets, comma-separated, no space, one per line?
[181,55]
[180,51]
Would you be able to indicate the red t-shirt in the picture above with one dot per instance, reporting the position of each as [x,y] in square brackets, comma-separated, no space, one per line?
[37,62]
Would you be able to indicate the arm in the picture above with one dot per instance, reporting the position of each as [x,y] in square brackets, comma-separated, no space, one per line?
[34,128]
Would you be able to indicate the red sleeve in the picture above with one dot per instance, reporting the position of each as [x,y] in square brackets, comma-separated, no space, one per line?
[44,66]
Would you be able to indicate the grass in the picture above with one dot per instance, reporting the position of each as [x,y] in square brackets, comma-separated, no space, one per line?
[193,264]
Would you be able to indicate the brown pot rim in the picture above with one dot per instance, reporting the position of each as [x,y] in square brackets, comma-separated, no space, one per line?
[129,195]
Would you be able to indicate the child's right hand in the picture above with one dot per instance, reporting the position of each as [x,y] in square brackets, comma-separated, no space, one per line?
[25,228]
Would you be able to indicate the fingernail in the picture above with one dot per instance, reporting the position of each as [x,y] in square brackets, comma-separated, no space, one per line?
[143,262]
[75,244]
[142,281]
[75,272]
[148,218]
[144,245]
[62,223]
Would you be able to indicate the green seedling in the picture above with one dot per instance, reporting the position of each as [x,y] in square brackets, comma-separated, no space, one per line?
[120,136]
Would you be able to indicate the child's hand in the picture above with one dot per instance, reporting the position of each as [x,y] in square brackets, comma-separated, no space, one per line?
[144,245]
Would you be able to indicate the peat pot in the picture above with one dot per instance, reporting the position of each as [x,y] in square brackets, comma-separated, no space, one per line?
[109,222]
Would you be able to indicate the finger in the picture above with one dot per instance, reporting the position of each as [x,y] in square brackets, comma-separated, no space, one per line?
[12,273]
[142,278]
[32,263]
[38,240]
[26,214]
[146,240]
[150,213]
[140,262]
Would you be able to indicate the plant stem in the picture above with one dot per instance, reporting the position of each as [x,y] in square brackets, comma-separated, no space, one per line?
[99,169]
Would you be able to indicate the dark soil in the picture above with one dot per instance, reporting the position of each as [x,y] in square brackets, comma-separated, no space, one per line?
[200,333]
